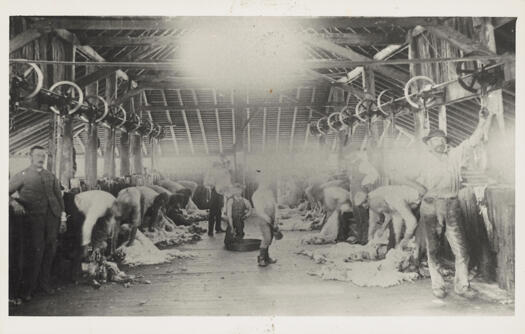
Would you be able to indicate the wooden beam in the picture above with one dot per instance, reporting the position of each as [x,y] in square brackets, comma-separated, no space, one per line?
[297,96]
[459,40]
[188,131]
[227,105]
[174,139]
[233,125]
[168,116]
[164,23]
[218,130]
[94,76]
[264,130]
[86,49]
[201,124]
[290,147]
[277,132]
[129,94]
[350,54]
[500,21]
[203,82]
[27,132]
[22,39]
[348,88]
[249,130]
[382,54]
[339,38]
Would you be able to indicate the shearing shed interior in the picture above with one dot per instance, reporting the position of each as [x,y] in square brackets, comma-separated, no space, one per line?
[224,166]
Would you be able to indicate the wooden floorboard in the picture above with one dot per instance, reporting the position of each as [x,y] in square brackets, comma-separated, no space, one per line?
[222,283]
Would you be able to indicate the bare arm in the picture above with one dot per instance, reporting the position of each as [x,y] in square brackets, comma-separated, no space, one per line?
[249,209]
[477,135]
[406,213]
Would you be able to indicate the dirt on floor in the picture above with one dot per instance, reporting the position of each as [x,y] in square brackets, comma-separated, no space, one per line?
[222,283]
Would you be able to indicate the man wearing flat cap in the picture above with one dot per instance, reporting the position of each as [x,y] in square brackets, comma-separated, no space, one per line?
[439,173]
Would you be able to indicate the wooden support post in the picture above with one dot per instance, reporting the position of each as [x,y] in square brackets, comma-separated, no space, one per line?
[338,97]
[136,151]
[109,151]
[67,169]
[248,131]
[188,131]
[442,120]
[494,100]
[218,129]
[201,124]
[415,69]
[307,134]
[264,130]
[125,168]
[65,149]
[238,145]
[90,156]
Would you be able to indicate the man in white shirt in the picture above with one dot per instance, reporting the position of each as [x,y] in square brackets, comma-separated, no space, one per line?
[395,203]
[439,172]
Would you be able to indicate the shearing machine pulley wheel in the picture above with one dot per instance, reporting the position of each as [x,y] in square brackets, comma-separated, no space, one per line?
[146,128]
[366,110]
[474,76]
[63,98]
[314,131]
[335,123]
[389,106]
[116,117]
[420,92]
[96,110]
[132,123]
[157,131]
[322,125]
[26,80]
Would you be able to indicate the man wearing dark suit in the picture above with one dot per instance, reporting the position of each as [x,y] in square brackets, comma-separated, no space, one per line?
[216,203]
[40,200]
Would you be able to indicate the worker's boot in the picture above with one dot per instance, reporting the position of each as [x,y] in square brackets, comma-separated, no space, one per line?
[261,259]
[268,259]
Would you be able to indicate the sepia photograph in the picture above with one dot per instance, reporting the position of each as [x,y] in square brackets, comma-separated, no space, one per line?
[261,166]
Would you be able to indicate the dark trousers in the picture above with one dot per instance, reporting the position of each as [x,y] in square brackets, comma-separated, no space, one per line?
[16,255]
[214,219]
[438,216]
[360,228]
[40,243]
[343,231]
[238,225]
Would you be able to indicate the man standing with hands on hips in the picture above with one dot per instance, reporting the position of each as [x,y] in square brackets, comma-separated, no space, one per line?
[40,201]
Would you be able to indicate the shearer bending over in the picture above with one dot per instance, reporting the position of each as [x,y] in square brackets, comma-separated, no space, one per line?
[439,172]
[396,204]
[265,206]
[237,209]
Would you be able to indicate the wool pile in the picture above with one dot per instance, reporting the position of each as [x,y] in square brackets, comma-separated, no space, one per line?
[197,215]
[366,266]
[144,252]
[297,219]
[328,233]
[177,236]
